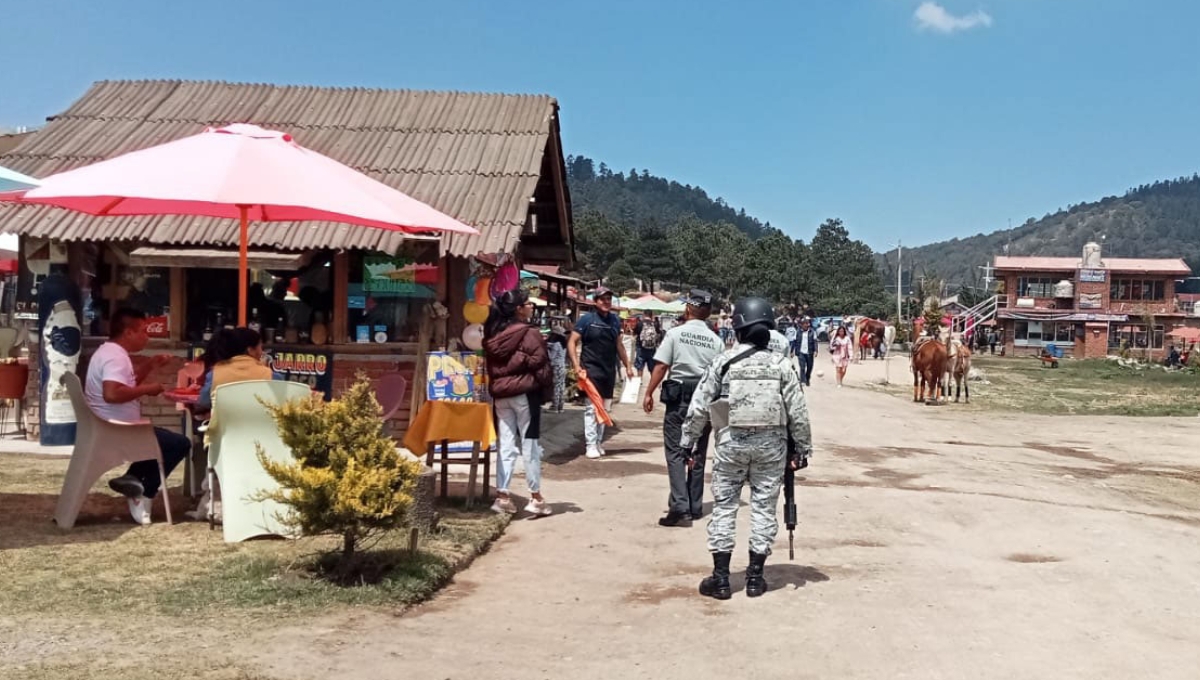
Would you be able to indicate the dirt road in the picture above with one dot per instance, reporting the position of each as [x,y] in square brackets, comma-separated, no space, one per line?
[930,546]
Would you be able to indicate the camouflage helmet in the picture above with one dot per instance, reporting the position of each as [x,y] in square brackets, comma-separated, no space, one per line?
[752,310]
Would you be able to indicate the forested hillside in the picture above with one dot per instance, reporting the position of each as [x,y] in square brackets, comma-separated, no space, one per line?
[637,226]
[1153,220]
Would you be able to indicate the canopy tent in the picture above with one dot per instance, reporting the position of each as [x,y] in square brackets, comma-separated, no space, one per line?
[651,303]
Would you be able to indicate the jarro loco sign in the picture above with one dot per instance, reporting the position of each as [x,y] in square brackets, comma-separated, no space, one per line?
[314,369]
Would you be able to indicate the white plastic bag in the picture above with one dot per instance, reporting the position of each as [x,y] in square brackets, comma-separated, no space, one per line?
[629,395]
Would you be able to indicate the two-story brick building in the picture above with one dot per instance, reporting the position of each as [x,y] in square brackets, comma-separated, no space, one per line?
[1088,306]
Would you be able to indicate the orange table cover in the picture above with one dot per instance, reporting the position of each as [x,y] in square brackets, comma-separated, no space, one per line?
[453,420]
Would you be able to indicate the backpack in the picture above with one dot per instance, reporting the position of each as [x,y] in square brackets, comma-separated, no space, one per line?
[649,337]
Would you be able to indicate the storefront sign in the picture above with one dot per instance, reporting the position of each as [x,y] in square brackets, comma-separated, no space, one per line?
[1093,275]
[158,326]
[314,369]
[1090,300]
[398,277]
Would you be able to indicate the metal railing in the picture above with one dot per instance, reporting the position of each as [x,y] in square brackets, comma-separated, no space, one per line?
[978,314]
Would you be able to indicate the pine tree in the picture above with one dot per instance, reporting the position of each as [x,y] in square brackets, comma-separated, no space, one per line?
[348,478]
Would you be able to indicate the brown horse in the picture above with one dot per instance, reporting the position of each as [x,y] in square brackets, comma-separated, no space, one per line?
[873,328]
[928,366]
[960,357]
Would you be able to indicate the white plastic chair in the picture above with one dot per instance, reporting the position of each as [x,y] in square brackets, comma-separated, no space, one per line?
[239,423]
[101,445]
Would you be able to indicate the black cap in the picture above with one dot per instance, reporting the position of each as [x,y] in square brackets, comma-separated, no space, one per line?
[699,298]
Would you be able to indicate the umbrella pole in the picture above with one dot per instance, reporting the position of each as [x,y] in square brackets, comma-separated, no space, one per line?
[243,267]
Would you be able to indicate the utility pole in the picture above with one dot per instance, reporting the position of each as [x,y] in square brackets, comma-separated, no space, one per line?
[987,275]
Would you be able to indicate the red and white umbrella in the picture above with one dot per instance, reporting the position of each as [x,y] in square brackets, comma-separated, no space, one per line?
[241,172]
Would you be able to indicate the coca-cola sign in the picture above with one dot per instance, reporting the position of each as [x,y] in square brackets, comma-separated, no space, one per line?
[158,327]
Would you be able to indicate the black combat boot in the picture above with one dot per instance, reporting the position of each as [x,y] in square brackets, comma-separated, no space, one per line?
[717,585]
[755,583]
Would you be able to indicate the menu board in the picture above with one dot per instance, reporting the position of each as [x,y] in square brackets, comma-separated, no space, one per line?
[450,376]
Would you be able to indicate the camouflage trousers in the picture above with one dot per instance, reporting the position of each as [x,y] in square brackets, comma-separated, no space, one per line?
[741,456]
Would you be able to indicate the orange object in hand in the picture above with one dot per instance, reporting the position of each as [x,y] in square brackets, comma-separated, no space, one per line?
[597,401]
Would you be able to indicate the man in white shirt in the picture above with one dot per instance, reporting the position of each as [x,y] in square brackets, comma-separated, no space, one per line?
[112,390]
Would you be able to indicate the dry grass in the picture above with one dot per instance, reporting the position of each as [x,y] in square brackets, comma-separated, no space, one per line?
[94,579]
[1077,387]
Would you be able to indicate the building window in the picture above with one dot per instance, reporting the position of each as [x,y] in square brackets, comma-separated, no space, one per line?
[1034,286]
[1134,336]
[1064,333]
[1132,290]
[1040,333]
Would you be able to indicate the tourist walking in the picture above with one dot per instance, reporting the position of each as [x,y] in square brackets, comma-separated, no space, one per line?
[647,334]
[594,349]
[519,374]
[556,346]
[755,402]
[686,352]
[840,349]
[806,349]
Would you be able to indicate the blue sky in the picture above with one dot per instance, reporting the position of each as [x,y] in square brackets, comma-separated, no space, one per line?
[907,119]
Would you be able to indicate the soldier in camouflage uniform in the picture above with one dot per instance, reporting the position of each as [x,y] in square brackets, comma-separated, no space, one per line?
[755,401]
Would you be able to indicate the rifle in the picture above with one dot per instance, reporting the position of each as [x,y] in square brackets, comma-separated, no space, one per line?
[789,493]
[790,500]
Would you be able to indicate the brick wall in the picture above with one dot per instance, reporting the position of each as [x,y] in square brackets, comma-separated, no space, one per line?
[1095,340]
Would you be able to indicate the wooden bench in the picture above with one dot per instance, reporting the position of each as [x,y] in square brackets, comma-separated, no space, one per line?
[1049,361]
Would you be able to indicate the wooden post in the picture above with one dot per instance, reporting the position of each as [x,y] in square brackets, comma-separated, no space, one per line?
[341,294]
[178,315]
[243,265]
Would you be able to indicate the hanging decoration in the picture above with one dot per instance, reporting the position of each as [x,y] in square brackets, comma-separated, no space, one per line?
[508,277]
[482,293]
[474,312]
[472,337]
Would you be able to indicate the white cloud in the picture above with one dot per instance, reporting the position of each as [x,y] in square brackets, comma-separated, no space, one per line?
[933,17]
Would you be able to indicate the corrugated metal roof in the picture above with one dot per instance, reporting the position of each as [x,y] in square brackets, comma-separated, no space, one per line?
[1173,266]
[474,156]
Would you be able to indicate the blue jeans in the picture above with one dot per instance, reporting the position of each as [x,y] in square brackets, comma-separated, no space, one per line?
[518,419]
[806,366]
[174,446]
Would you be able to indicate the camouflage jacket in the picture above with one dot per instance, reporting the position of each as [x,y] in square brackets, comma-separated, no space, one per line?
[765,368]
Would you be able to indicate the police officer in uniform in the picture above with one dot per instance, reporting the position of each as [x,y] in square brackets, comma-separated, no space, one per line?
[779,344]
[685,352]
[754,399]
